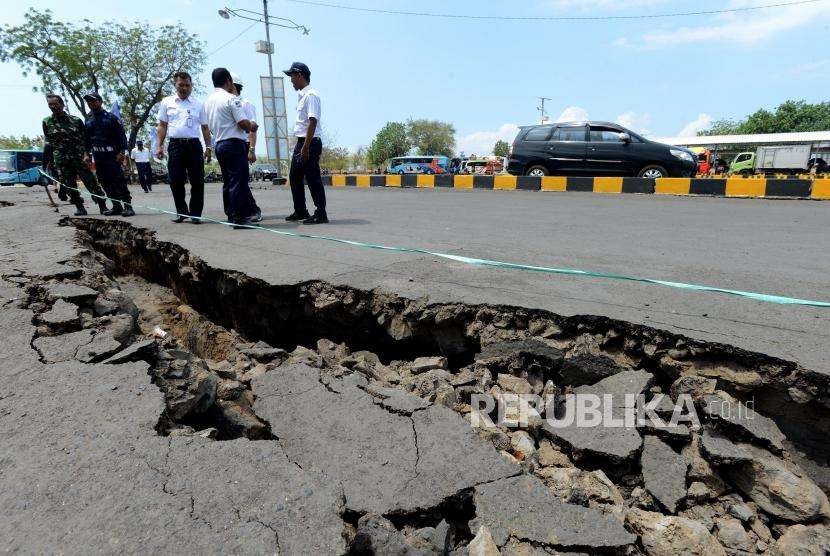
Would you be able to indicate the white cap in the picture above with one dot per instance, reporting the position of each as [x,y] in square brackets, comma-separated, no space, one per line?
[236,79]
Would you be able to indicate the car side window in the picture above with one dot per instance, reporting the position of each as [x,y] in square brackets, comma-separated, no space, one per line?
[604,135]
[538,134]
[569,134]
[743,157]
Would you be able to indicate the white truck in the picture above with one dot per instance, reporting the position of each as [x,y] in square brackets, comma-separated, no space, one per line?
[769,160]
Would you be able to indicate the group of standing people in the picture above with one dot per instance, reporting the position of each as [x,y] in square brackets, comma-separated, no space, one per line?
[191,128]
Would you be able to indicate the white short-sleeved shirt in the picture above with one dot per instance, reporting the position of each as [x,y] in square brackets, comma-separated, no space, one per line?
[140,155]
[250,109]
[184,117]
[224,111]
[308,107]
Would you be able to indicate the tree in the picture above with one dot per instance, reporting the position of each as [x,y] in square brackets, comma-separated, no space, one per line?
[130,63]
[21,143]
[141,63]
[501,148]
[391,141]
[790,116]
[431,136]
[358,161]
[336,159]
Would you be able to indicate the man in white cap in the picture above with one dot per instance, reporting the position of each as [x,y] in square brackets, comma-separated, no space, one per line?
[250,113]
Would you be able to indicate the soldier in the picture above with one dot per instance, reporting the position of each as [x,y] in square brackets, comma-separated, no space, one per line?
[106,139]
[64,134]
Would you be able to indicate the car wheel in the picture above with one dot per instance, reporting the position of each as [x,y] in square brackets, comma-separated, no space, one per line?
[746,173]
[653,171]
[537,171]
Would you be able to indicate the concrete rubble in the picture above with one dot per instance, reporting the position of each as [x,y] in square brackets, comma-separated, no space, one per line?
[349,431]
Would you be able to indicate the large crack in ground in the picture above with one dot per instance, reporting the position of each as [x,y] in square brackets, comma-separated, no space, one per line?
[226,333]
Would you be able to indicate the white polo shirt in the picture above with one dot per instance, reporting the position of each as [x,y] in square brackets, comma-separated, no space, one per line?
[223,111]
[308,107]
[184,117]
[140,155]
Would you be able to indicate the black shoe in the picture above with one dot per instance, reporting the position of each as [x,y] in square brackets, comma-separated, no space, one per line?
[114,211]
[195,220]
[62,194]
[102,207]
[80,211]
[128,211]
[318,218]
[257,217]
[178,220]
[295,216]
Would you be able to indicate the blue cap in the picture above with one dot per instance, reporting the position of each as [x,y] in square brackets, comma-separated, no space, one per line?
[92,95]
[298,67]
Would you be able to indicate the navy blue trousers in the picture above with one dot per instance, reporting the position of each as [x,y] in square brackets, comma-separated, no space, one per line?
[310,172]
[112,178]
[232,155]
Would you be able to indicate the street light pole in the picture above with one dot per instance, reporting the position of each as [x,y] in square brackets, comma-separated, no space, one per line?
[226,13]
[273,91]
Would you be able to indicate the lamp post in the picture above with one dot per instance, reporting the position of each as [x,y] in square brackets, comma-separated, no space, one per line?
[263,17]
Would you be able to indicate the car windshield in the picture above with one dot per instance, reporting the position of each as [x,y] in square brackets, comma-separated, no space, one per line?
[6,162]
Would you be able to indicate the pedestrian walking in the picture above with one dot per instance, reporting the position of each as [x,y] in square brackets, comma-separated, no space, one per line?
[305,162]
[230,127]
[250,113]
[141,157]
[104,136]
[183,118]
[65,135]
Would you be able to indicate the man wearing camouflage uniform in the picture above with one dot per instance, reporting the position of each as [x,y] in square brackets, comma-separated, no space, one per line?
[65,136]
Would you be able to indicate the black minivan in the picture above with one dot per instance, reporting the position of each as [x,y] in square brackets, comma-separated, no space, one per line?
[595,149]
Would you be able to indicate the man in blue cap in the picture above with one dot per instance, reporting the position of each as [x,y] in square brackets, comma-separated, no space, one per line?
[305,162]
[104,136]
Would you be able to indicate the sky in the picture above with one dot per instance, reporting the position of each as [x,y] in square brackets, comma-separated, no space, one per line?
[660,77]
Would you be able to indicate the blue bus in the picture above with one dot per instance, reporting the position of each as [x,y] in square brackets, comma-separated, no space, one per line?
[419,165]
[18,166]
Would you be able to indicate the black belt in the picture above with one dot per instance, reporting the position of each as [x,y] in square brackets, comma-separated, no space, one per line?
[183,139]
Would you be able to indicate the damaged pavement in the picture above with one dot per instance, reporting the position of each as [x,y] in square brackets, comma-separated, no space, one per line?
[152,403]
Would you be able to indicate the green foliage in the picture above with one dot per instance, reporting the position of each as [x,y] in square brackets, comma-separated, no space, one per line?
[131,63]
[22,142]
[501,148]
[791,116]
[336,159]
[391,141]
[431,136]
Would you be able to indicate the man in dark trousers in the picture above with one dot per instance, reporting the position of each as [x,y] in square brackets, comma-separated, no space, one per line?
[141,157]
[105,137]
[230,126]
[65,135]
[305,162]
[183,118]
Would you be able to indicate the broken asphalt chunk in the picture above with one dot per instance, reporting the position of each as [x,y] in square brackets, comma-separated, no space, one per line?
[522,507]
[145,350]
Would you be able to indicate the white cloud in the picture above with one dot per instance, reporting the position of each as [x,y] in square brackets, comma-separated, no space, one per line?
[744,28]
[700,123]
[635,122]
[573,114]
[482,142]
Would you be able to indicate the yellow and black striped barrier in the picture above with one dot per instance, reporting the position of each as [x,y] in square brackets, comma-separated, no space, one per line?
[719,187]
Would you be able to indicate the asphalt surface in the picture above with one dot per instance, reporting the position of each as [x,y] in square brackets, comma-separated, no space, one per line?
[769,246]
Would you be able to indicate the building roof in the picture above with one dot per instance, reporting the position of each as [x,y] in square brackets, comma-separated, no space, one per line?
[804,137]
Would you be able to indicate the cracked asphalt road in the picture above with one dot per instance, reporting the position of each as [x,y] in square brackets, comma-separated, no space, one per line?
[769,246]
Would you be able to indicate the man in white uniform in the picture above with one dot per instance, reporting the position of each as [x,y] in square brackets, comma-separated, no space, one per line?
[305,162]
[182,118]
[141,157]
[250,112]
[230,127]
